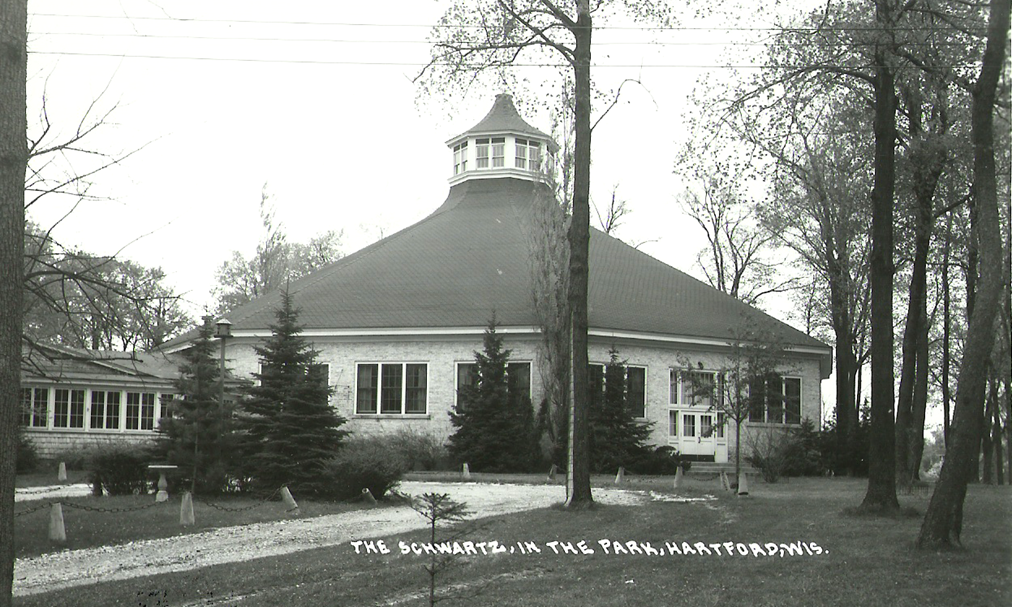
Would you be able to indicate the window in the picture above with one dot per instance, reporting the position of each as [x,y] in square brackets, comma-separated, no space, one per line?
[636,391]
[68,408]
[482,153]
[636,387]
[534,156]
[527,155]
[497,151]
[35,407]
[689,425]
[321,372]
[518,378]
[521,154]
[693,387]
[366,389]
[775,400]
[140,411]
[720,430]
[460,158]
[105,409]
[391,388]
[673,424]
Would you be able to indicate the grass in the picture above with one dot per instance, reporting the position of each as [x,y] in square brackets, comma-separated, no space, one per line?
[867,560]
[97,521]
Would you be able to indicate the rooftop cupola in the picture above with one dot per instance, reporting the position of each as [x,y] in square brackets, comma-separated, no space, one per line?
[502,145]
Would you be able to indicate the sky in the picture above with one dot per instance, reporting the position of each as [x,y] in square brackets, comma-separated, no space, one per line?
[313,101]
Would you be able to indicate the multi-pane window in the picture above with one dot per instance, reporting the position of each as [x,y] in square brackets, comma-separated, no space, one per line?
[527,155]
[636,387]
[482,153]
[140,411]
[35,407]
[68,408]
[636,391]
[105,409]
[366,388]
[461,158]
[689,425]
[775,400]
[498,145]
[693,388]
[391,388]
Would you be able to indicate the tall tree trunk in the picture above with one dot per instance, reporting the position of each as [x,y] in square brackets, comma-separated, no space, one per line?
[946,331]
[997,437]
[944,517]
[986,432]
[881,494]
[13,164]
[844,355]
[578,480]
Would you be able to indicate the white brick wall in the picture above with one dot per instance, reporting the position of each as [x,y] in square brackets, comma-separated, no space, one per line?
[443,354]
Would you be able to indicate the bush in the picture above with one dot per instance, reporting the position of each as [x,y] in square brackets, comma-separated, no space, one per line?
[662,460]
[372,463]
[768,453]
[119,470]
[28,456]
[423,451]
[75,460]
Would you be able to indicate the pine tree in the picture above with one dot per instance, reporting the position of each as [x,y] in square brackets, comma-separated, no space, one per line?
[199,434]
[494,425]
[290,429]
[617,439]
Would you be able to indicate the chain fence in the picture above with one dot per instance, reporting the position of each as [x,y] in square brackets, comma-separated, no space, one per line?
[261,503]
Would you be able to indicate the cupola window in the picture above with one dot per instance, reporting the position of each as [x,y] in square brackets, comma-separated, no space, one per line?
[482,153]
[497,151]
[527,155]
[461,158]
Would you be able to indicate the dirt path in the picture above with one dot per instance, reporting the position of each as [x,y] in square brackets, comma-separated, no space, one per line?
[67,569]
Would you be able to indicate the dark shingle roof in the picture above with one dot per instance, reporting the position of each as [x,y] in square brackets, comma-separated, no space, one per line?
[503,118]
[471,257]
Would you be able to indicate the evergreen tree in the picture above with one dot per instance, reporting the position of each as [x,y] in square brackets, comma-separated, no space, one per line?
[290,429]
[494,424]
[198,435]
[617,439]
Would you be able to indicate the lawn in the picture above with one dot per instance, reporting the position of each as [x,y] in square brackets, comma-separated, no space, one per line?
[847,560]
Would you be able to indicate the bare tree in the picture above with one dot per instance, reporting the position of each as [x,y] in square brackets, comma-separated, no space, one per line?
[736,258]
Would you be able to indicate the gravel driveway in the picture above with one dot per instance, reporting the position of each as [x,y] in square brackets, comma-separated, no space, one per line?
[240,543]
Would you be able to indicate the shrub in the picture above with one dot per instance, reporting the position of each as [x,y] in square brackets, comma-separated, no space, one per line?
[119,470]
[768,453]
[662,460]
[371,463]
[28,456]
[422,450]
[75,460]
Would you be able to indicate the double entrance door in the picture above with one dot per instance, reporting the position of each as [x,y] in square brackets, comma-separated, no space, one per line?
[698,433]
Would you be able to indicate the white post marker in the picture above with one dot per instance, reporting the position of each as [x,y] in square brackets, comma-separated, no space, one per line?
[290,504]
[368,496]
[743,486]
[552,473]
[465,472]
[186,510]
[620,476]
[57,531]
[61,472]
[678,477]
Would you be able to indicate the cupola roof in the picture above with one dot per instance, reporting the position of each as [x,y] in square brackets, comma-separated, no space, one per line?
[503,118]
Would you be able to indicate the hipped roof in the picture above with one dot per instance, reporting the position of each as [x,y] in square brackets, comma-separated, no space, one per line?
[470,258]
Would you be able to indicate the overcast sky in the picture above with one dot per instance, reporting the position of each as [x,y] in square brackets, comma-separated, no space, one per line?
[315,99]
